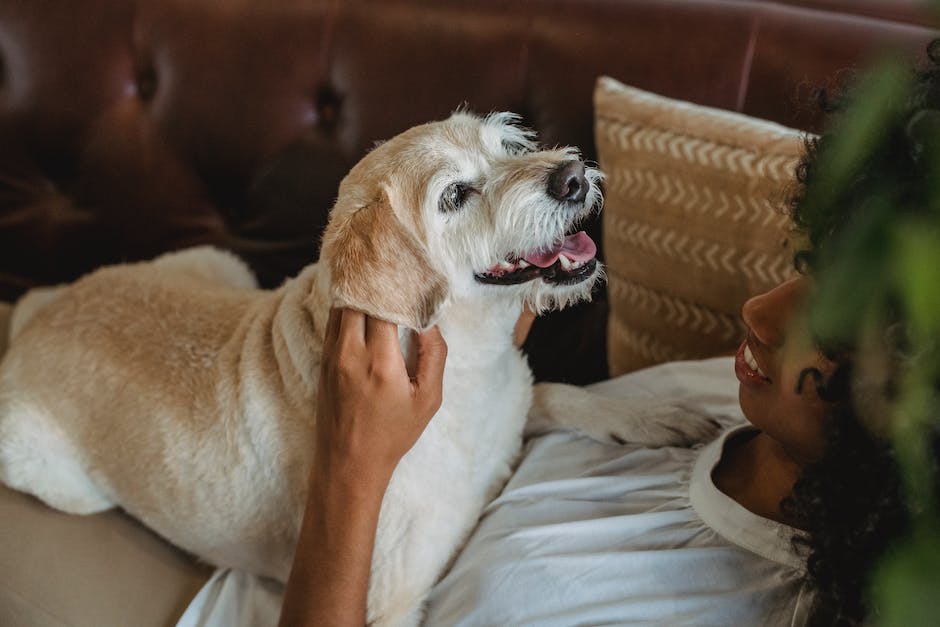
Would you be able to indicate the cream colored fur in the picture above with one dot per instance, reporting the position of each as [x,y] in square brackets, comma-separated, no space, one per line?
[177,390]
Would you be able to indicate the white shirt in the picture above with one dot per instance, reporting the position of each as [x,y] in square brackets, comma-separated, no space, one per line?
[596,533]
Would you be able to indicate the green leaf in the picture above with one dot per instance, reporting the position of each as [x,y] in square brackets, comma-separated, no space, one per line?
[906,586]
[918,269]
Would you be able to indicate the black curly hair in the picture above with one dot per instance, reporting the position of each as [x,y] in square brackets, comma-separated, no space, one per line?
[852,501]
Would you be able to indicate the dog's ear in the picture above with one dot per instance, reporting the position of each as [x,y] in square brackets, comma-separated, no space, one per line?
[379,267]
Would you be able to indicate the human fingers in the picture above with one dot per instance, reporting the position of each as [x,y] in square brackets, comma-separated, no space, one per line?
[352,329]
[429,377]
[382,337]
[332,330]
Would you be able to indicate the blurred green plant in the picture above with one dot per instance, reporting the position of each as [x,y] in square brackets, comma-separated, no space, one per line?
[881,268]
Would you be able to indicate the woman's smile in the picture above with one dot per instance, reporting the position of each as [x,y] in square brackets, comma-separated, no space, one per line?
[746,366]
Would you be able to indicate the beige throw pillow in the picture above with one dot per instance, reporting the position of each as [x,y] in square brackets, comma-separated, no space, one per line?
[695,222]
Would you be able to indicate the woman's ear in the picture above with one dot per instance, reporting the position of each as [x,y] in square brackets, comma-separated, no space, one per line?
[379,267]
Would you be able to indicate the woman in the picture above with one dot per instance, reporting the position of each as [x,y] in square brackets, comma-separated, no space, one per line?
[859,215]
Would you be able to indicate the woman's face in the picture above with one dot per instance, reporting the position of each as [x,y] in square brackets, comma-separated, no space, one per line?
[768,364]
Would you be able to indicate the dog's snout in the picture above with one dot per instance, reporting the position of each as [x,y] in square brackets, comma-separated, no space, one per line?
[567,182]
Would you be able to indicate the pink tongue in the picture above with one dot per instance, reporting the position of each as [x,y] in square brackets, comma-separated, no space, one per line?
[577,247]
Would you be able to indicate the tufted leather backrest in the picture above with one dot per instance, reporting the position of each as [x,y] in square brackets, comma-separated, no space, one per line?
[131,127]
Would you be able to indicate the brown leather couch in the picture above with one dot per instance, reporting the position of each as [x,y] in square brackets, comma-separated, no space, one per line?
[132,127]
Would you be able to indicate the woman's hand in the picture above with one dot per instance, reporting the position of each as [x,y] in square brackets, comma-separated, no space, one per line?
[369,411]
[369,414]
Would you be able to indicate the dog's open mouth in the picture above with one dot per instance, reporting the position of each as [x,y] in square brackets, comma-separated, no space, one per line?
[568,261]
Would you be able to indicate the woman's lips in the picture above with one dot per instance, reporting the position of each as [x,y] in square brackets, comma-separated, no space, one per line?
[745,373]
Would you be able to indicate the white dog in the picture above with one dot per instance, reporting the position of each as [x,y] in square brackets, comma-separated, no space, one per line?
[178,391]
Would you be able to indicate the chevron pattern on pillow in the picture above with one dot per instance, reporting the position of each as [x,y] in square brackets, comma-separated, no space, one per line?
[695,221]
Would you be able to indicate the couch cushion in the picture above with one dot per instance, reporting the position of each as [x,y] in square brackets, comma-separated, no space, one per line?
[58,570]
[695,222]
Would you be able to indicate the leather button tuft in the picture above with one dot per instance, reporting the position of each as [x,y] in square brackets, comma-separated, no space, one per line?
[328,103]
[146,82]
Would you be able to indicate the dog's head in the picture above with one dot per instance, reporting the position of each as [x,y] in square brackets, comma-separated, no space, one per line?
[468,207]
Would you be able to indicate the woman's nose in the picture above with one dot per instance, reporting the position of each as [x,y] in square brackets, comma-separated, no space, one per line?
[769,314]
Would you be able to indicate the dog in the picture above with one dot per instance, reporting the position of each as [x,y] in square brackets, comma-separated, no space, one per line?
[180,392]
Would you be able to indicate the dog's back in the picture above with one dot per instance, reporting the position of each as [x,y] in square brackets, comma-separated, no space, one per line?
[158,367]
[124,341]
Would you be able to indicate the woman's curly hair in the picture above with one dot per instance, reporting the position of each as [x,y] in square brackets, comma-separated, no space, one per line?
[852,501]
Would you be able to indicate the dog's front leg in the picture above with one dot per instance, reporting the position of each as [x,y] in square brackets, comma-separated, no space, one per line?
[636,420]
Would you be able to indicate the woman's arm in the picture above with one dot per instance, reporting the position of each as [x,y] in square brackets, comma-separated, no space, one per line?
[369,414]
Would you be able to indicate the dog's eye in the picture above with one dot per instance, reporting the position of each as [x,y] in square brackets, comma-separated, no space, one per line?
[455,195]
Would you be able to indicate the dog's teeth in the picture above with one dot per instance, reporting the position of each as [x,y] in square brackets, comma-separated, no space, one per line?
[504,265]
[565,262]
[523,263]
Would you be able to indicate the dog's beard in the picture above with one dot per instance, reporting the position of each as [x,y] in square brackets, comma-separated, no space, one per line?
[542,297]
[546,288]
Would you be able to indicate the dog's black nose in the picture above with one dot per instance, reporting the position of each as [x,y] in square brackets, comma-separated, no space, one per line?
[567,182]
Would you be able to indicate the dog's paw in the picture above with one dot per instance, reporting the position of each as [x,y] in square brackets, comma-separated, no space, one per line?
[645,421]
[665,425]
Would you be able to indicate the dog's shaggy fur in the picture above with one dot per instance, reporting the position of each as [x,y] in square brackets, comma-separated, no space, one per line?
[177,390]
